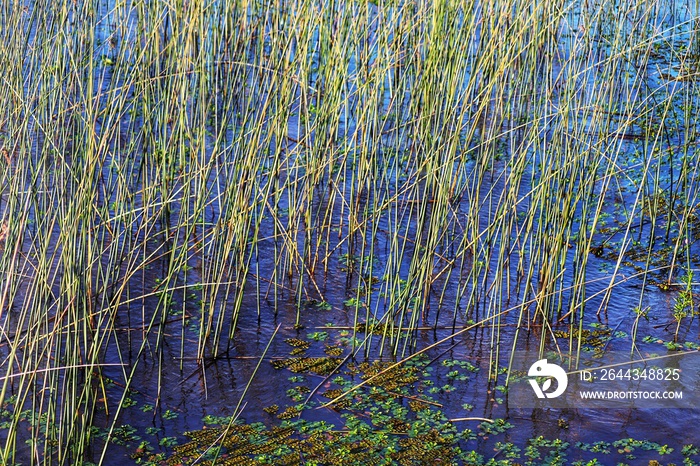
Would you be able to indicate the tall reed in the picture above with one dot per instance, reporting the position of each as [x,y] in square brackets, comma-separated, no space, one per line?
[171,169]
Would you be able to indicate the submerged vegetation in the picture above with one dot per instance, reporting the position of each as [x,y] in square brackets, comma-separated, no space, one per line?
[177,175]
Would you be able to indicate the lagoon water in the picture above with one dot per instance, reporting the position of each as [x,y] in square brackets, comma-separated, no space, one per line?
[189,186]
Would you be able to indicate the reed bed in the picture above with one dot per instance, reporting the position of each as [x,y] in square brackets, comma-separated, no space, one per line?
[166,164]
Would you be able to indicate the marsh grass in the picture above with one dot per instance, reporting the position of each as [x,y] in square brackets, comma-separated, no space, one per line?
[164,161]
